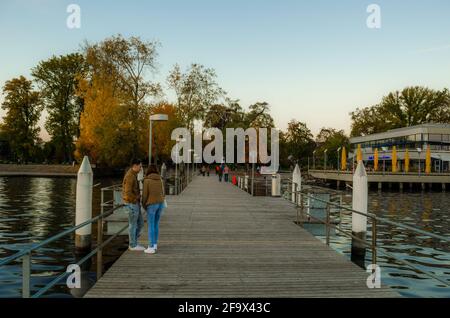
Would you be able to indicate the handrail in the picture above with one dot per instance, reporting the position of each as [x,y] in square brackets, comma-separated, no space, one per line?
[44,289]
[25,254]
[374,220]
[375,173]
[378,218]
[56,237]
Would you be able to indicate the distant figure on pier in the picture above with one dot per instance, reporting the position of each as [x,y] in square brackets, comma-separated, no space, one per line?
[153,199]
[207,170]
[226,171]
[203,170]
[217,169]
[131,198]
[220,172]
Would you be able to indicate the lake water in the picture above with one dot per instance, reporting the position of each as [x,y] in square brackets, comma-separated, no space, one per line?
[33,209]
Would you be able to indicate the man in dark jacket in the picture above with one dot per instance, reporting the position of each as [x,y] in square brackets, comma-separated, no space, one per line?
[131,196]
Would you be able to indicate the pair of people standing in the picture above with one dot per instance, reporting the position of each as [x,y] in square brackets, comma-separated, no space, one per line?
[223,171]
[153,200]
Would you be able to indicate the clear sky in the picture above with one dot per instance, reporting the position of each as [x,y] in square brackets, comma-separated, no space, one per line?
[314,61]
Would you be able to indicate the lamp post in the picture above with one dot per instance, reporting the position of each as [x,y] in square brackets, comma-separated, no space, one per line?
[338,153]
[253,159]
[314,159]
[155,117]
[419,150]
[190,156]
[384,149]
[325,159]
[176,165]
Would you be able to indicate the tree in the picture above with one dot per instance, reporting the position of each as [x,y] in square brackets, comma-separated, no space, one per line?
[196,90]
[58,79]
[225,116]
[133,59]
[114,123]
[23,108]
[296,144]
[331,140]
[412,106]
[258,116]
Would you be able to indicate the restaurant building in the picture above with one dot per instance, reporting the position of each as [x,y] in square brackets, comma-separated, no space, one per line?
[415,139]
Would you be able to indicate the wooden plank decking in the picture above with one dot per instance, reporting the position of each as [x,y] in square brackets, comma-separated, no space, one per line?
[218,241]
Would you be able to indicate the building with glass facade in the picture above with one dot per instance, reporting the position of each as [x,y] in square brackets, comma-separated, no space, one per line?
[416,139]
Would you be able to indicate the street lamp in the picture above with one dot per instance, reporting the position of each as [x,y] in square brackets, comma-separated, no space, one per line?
[178,140]
[419,150]
[190,156]
[384,149]
[314,159]
[253,159]
[338,153]
[155,117]
[325,159]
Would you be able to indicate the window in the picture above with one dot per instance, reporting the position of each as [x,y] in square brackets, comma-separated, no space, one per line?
[435,137]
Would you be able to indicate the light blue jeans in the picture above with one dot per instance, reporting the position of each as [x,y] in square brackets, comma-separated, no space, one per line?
[154,212]
[136,222]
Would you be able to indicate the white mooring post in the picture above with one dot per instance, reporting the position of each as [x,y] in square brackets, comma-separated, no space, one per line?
[359,203]
[296,183]
[83,210]
[276,185]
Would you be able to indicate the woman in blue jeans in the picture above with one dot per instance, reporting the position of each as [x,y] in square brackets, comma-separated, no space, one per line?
[153,199]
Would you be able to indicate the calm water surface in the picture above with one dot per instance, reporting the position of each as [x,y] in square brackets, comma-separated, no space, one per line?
[33,209]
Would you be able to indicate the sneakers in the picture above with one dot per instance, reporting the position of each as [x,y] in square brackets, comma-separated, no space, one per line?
[150,250]
[138,248]
[155,246]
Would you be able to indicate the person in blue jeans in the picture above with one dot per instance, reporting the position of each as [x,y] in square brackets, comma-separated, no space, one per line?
[153,199]
[131,198]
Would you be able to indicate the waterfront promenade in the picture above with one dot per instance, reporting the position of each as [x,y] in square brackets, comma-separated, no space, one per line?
[218,241]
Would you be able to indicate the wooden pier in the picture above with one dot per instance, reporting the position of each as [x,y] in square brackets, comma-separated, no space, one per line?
[218,241]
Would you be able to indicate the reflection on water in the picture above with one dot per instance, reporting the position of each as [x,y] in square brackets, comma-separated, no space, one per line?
[31,210]
[428,211]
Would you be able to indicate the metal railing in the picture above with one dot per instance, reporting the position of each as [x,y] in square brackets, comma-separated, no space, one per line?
[26,254]
[381,172]
[374,219]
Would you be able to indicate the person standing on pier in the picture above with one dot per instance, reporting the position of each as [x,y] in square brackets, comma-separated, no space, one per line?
[203,170]
[131,198]
[153,200]
[226,171]
[220,172]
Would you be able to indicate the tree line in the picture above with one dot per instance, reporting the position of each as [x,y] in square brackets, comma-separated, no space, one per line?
[98,102]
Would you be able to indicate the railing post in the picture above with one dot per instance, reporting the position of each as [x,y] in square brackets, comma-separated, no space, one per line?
[374,241]
[328,225]
[100,239]
[26,275]
[302,206]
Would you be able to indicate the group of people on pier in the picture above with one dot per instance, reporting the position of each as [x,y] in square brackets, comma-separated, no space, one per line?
[222,171]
